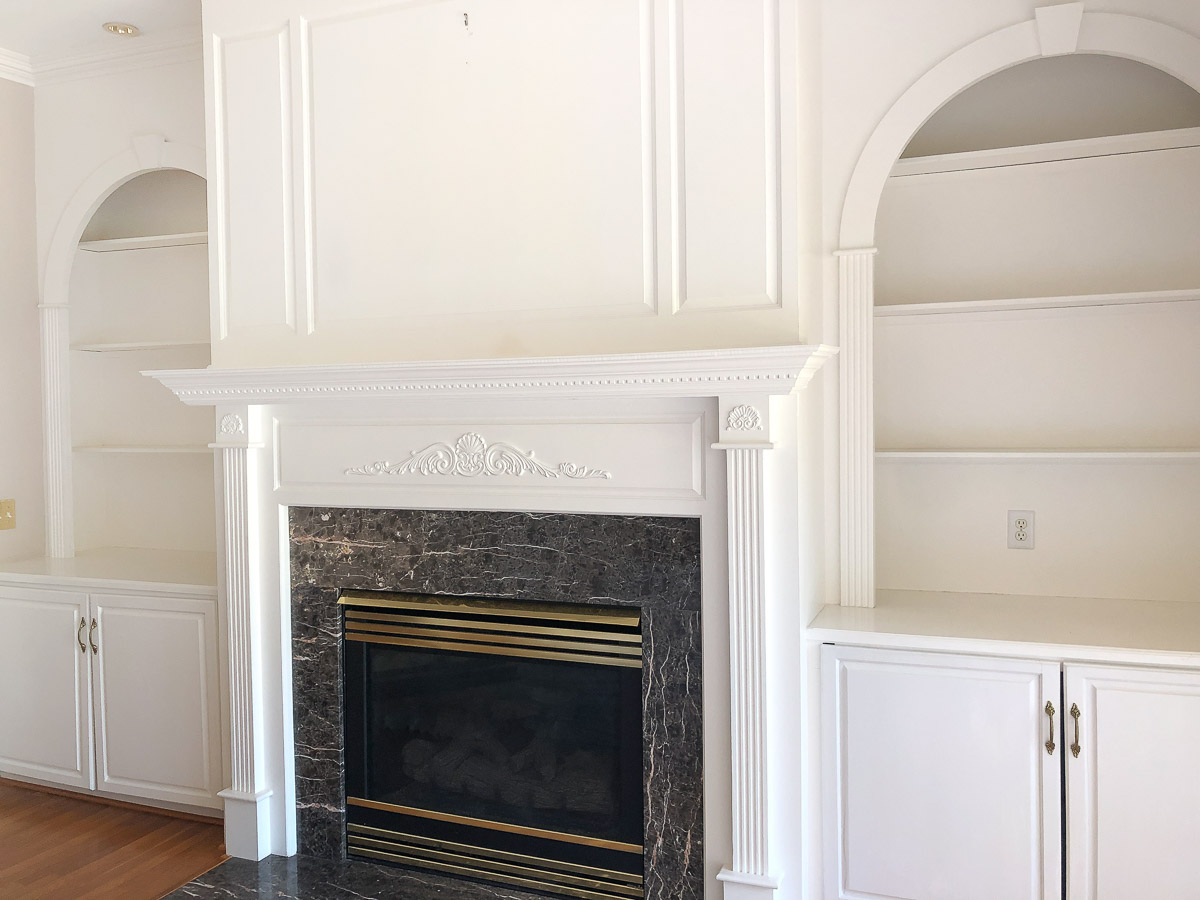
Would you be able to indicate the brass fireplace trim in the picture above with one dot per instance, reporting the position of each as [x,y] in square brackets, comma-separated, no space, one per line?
[370,831]
[506,640]
[491,867]
[626,662]
[629,617]
[495,826]
[444,622]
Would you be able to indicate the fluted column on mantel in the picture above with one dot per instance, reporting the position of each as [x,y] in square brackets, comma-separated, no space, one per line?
[56,429]
[856,302]
[745,438]
[247,825]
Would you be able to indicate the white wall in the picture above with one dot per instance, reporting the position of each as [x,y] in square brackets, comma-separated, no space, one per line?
[20,373]
[1100,225]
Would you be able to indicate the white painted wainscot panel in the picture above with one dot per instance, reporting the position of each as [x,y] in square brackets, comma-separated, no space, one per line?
[158,737]
[937,782]
[45,674]
[1133,796]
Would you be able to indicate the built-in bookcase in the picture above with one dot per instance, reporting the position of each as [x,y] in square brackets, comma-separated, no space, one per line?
[141,469]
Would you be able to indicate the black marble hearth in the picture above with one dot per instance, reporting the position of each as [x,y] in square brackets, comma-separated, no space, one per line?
[652,563]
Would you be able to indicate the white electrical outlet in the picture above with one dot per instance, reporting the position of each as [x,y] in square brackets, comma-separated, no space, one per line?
[1020,529]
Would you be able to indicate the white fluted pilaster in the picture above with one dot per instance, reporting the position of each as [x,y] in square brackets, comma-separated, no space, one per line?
[856,301]
[750,875]
[247,829]
[56,430]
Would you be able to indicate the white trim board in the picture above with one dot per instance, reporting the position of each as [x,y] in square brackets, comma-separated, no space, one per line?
[16,67]
[1038,456]
[1057,151]
[96,60]
[1082,301]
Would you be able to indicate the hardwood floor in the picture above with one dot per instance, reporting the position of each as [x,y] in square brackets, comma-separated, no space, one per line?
[55,847]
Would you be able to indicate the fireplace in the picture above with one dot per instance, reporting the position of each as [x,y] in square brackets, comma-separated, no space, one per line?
[496,739]
[626,592]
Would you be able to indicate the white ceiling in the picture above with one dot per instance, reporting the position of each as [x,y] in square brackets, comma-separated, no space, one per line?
[39,28]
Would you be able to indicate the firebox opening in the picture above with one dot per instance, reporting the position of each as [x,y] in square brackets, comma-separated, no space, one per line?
[496,739]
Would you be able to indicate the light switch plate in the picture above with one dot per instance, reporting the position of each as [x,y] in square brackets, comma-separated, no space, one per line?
[8,514]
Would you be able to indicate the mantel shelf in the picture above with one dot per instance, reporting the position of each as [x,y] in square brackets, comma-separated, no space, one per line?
[143,448]
[149,242]
[683,373]
[1027,304]
[1034,456]
[135,345]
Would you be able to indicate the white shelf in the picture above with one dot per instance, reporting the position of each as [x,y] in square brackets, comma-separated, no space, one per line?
[135,567]
[1038,456]
[145,448]
[136,345]
[1082,301]
[1114,630]
[148,242]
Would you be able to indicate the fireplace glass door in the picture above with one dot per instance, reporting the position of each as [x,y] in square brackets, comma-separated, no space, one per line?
[496,740]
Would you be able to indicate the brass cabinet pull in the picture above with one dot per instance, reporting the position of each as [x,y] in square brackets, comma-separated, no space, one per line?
[92,637]
[1050,715]
[79,634]
[1075,714]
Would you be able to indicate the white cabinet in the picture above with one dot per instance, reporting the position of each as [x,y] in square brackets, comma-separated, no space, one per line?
[139,672]
[156,689]
[941,783]
[937,782]
[1133,793]
[45,686]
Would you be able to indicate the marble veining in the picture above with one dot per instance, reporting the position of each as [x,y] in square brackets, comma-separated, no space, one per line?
[649,562]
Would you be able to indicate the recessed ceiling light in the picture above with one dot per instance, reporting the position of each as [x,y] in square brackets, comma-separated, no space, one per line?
[122,28]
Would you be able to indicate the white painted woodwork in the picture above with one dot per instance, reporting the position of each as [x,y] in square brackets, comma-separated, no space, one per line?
[856,287]
[643,169]
[144,242]
[1133,799]
[747,638]
[121,569]
[45,703]
[56,430]
[1091,225]
[1034,304]
[157,701]
[1136,632]
[938,784]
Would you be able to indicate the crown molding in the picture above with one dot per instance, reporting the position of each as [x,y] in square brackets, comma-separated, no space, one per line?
[16,67]
[687,373]
[148,51]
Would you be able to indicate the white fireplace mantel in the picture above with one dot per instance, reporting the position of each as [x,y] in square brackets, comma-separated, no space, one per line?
[258,408]
[683,373]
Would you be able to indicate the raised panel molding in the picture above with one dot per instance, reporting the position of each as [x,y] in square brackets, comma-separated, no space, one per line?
[327,145]
[688,296]
[254,210]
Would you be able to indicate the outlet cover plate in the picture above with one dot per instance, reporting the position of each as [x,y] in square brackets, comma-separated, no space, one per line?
[8,514]
[1020,529]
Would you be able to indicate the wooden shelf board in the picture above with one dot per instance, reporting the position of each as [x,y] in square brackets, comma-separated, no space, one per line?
[148,242]
[963,307]
[144,448]
[136,345]
[1038,456]
[119,565]
[1080,628]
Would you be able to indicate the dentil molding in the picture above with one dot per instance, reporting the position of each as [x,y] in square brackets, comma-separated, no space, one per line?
[685,373]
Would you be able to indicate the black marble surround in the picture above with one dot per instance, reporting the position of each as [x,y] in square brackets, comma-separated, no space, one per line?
[648,562]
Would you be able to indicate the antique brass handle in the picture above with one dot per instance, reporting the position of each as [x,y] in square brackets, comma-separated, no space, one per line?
[79,634]
[1050,715]
[92,637]
[1075,714]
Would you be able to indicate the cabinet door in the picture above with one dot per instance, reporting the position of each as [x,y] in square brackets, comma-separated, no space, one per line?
[938,783]
[156,695]
[45,687]
[1133,793]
